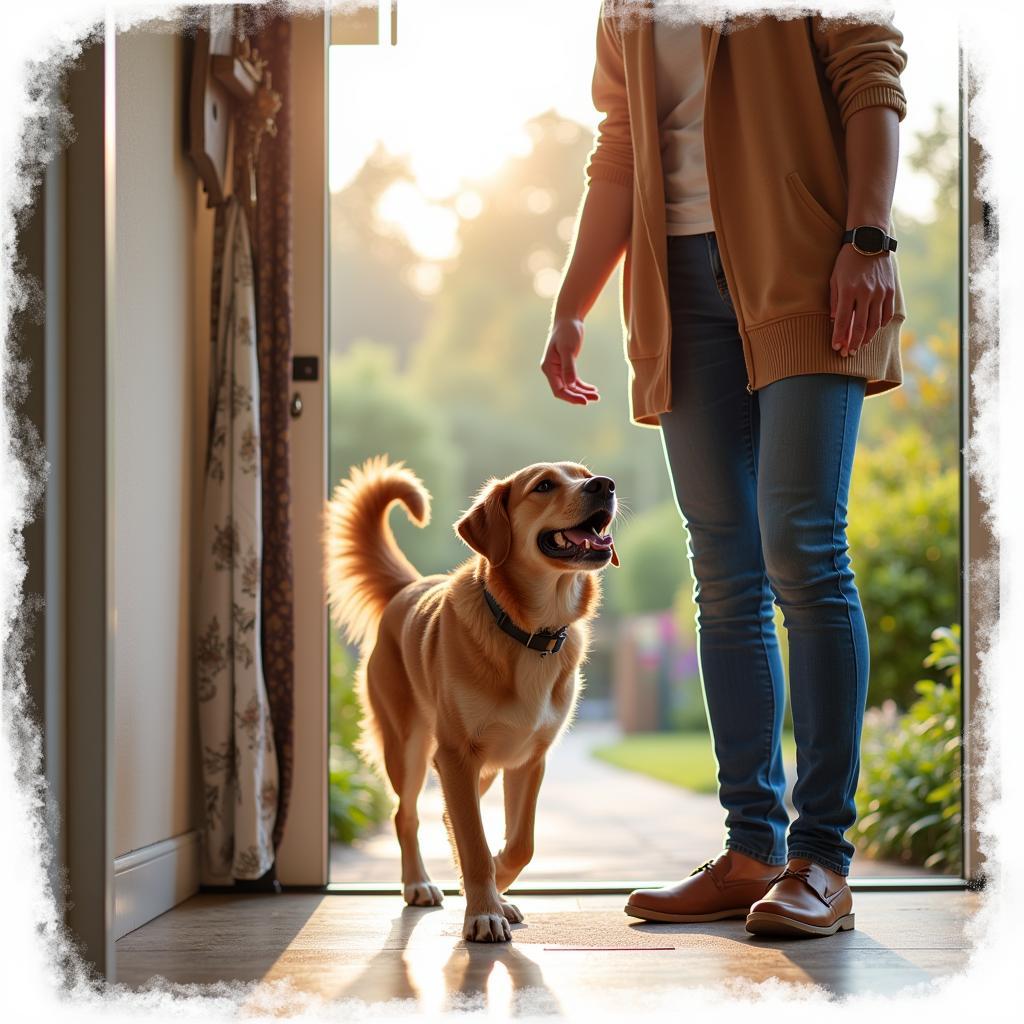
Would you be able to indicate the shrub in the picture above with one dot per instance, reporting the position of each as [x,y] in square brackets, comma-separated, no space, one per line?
[652,550]
[909,800]
[904,543]
[357,799]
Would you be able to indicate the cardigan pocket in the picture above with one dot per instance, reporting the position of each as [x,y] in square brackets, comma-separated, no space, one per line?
[804,193]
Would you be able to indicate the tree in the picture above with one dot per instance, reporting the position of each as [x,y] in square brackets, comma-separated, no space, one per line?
[481,351]
[369,267]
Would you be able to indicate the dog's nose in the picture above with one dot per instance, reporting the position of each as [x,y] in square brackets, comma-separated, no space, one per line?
[599,485]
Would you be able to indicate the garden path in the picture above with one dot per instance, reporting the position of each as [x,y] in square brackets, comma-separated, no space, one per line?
[594,822]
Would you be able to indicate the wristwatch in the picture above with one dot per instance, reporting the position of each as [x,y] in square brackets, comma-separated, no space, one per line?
[870,241]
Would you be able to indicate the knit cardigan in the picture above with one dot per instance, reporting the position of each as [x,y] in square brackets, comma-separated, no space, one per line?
[778,94]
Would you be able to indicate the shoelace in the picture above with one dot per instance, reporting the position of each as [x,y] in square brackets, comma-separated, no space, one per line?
[804,875]
[706,866]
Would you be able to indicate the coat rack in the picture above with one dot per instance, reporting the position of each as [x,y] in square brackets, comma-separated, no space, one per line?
[230,90]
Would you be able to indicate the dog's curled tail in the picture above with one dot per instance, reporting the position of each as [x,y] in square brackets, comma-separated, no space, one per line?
[365,567]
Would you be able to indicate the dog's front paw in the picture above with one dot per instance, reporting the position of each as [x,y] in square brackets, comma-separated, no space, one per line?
[512,913]
[487,927]
[423,894]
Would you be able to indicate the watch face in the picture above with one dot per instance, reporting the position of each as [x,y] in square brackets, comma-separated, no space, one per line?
[869,239]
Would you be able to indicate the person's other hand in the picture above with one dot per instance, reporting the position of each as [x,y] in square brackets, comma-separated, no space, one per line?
[863,293]
[559,363]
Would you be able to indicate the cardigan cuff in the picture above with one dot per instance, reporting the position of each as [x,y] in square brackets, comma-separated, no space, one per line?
[610,172]
[877,96]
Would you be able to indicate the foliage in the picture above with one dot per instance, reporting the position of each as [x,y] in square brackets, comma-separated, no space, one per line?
[936,152]
[357,799]
[448,380]
[654,566]
[685,759]
[909,800]
[377,410]
[905,548]
[929,258]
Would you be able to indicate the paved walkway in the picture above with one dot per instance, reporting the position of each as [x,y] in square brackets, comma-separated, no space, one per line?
[594,822]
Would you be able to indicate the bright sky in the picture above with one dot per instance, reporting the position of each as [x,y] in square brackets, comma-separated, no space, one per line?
[467,74]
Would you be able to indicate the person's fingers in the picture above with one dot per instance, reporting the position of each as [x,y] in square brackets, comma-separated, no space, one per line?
[844,312]
[578,397]
[888,305]
[858,324]
[575,388]
[559,367]
[559,390]
[833,295]
[553,372]
[583,388]
[571,397]
[872,322]
[571,379]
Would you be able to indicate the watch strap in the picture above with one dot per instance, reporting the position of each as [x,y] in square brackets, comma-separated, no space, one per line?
[889,245]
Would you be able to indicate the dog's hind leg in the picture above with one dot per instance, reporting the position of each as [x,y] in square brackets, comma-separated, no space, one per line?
[407,764]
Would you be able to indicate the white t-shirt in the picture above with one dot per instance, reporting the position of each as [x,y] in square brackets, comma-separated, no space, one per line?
[679,79]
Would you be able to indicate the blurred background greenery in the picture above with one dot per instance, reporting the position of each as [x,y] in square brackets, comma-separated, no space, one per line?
[435,362]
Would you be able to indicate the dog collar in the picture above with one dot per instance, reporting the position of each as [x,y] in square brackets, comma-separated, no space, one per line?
[545,641]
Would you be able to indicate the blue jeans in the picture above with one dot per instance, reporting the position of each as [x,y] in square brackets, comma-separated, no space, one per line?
[761,481]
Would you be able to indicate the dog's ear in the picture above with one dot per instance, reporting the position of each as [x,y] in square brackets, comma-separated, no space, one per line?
[486,527]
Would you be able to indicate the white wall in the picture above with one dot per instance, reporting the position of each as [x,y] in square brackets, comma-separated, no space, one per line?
[156,420]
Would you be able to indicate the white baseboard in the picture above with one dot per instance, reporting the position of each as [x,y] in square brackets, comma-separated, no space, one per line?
[149,881]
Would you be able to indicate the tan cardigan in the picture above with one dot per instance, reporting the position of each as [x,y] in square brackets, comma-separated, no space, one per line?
[777,98]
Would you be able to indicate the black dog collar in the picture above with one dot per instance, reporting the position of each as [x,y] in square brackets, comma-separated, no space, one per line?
[543,640]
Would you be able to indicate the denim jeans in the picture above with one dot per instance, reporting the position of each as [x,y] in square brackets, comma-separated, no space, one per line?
[761,481]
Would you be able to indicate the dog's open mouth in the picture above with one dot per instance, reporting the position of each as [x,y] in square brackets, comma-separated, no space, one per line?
[587,540]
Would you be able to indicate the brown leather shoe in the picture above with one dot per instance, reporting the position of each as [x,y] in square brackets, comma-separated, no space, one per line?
[806,899]
[719,888]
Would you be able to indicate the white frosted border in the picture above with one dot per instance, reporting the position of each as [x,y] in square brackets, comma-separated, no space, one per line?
[36,957]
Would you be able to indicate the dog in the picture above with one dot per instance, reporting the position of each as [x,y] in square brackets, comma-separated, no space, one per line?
[476,670]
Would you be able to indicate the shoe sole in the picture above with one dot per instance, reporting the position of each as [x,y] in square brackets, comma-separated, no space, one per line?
[657,915]
[762,923]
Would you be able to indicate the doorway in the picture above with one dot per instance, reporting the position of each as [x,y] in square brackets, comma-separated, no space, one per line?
[452,201]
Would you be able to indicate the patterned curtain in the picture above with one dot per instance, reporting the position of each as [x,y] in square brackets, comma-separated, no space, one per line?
[240,770]
[271,226]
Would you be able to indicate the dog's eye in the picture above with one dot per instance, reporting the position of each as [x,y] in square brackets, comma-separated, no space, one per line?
[544,485]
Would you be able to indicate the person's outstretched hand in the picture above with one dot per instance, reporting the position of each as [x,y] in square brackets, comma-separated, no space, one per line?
[559,363]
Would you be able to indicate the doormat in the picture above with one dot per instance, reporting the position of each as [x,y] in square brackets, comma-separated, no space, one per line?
[609,930]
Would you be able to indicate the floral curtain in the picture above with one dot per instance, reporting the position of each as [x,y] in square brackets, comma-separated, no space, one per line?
[271,224]
[239,761]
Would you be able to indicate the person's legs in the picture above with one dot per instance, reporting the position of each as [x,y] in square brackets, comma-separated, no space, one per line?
[711,444]
[808,434]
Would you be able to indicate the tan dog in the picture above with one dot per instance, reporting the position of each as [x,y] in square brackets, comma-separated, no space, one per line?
[453,667]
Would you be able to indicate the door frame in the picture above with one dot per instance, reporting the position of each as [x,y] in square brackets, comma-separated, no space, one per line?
[303,857]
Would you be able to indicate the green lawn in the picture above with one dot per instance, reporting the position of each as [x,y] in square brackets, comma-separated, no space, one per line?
[683,758]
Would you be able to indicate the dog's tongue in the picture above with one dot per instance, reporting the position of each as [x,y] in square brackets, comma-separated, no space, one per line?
[578,537]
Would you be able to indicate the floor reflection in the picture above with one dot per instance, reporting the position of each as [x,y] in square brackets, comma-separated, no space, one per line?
[439,976]
[470,976]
